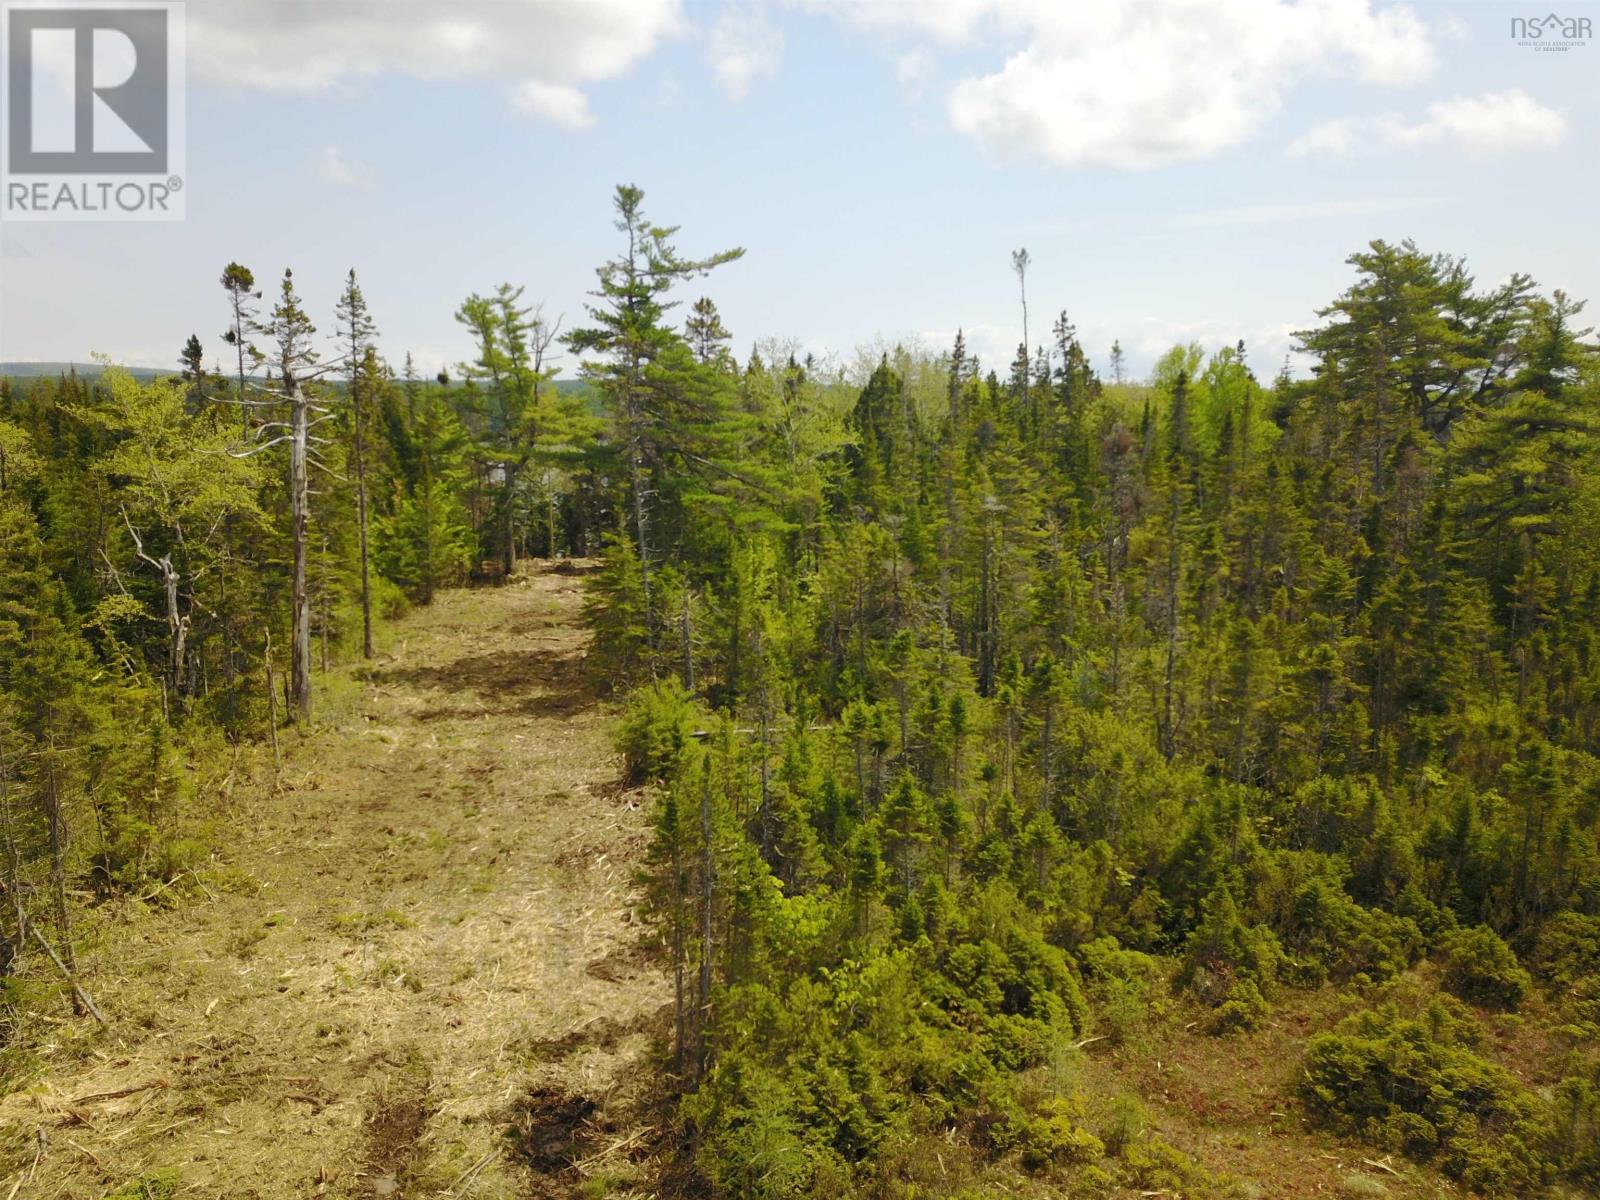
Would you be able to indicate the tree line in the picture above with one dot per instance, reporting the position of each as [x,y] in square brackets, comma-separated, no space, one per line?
[987,713]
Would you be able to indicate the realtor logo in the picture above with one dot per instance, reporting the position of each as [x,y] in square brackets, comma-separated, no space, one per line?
[93,110]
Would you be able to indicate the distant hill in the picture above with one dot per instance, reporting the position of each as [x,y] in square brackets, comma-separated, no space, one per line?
[33,370]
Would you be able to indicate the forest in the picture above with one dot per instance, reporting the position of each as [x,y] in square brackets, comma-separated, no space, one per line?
[997,721]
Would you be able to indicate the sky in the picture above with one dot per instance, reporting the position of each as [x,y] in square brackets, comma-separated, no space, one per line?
[1177,169]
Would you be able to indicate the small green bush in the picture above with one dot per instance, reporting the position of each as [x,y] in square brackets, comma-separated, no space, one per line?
[1244,1009]
[1126,1126]
[656,728]
[1359,1186]
[158,1185]
[1222,950]
[1481,968]
[1050,1137]
[1124,986]
[1569,949]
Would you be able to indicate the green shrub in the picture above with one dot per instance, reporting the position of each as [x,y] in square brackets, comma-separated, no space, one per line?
[656,729]
[1575,1128]
[1105,958]
[1223,949]
[1026,978]
[1481,968]
[158,1185]
[389,601]
[1330,935]
[1412,1085]
[1124,986]
[1244,1009]
[1126,1126]
[1049,1137]
[1359,1186]
[1153,1166]
[1569,949]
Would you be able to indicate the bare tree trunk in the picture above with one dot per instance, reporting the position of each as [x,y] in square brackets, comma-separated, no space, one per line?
[177,623]
[178,630]
[707,894]
[326,620]
[680,1016]
[640,517]
[238,341]
[508,532]
[299,505]
[13,867]
[57,822]
[272,711]
[686,633]
[1168,734]
[82,1002]
[361,525]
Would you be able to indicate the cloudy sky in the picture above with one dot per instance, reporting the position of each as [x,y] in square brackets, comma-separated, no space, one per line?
[1178,169]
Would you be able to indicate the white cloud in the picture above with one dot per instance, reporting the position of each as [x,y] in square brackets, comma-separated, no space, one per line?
[560,103]
[333,166]
[549,48]
[1146,82]
[743,45]
[1479,126]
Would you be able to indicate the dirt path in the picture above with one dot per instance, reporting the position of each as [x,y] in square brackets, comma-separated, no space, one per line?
[426,940]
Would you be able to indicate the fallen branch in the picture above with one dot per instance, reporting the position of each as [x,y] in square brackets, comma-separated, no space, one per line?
[613,1148]
[77,988]
[93,1157]
[471,1173]
[94,1097]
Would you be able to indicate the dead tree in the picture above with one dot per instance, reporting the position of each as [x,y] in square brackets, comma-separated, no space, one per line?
[296,363]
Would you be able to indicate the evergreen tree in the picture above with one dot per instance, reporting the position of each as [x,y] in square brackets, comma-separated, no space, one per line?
[659,401]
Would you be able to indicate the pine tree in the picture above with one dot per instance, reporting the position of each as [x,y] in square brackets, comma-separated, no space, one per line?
[362,373]
[648,377]
[240,285]
[426,543]
[707,336]
[193,361]
[49,703]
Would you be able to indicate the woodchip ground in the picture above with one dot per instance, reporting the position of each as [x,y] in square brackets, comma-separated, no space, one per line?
[415,968]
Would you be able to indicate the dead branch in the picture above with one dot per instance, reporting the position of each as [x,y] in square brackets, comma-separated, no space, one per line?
[78,989]
[96,1097]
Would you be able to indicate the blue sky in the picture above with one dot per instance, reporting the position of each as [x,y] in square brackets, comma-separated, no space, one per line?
[1177,170]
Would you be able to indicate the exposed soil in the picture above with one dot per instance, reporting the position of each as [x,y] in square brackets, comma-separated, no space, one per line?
[416,968]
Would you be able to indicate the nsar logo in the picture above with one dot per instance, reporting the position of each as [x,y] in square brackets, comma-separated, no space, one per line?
[1551,32]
